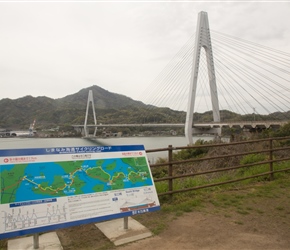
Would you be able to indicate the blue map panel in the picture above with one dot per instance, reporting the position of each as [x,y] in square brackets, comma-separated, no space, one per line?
[49,188]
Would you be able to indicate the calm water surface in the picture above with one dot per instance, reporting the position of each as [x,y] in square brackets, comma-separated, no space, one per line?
[148,142]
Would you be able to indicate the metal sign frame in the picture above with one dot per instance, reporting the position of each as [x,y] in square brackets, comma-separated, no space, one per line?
[44,189]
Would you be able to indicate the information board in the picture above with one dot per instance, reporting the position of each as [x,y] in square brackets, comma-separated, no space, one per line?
[45,189]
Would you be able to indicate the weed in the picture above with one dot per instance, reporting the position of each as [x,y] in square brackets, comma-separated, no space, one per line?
[159,228]
[215,203]
[243,212]
[260,211]
[179,213]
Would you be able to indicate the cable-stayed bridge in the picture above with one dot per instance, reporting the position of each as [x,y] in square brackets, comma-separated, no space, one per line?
[203,126]
[219,72]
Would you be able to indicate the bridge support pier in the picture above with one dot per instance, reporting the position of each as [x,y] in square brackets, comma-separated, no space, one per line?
[205,130]
[90,101]
[202,40]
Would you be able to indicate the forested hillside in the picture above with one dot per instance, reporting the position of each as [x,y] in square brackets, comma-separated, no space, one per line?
[110,108]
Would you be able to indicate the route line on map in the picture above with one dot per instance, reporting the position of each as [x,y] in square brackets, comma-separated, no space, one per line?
[71,178]
[15,184]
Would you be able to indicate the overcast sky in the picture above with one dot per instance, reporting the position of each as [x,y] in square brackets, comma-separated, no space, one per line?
[56,48]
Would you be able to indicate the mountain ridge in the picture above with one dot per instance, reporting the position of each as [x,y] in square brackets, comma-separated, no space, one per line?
[111,108]
[19,113]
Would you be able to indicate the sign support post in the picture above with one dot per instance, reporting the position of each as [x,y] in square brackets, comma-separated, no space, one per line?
[126,223]
[35,241]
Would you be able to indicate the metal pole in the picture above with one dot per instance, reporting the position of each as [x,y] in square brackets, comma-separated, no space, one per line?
[36,241]
[271,159]
[126,223]
[170,170]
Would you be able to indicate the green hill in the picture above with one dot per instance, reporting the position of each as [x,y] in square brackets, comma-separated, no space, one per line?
[110,108]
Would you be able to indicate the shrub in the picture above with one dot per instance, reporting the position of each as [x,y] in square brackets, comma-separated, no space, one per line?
[252,158]
[190,153]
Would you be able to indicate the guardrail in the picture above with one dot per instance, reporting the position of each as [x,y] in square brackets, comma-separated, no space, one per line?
[269,156]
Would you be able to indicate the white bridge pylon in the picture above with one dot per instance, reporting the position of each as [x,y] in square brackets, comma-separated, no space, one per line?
[90,100]
[202,40]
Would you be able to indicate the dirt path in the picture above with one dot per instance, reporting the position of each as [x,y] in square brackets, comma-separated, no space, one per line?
[259,222]
[249,219]
[197,230]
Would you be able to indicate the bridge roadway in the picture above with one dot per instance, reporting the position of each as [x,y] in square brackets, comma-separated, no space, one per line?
[240,124]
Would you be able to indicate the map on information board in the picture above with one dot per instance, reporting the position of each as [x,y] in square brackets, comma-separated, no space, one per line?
[49,188]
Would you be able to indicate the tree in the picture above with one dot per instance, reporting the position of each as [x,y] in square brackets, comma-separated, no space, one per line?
[283,131]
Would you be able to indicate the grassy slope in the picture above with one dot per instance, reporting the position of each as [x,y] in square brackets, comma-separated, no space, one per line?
[266,203]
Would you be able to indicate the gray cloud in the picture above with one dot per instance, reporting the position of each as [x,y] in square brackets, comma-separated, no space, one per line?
[55,49]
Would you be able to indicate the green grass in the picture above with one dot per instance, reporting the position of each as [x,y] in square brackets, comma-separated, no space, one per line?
[234,201]
[202,180]
[239,198]
[239,222]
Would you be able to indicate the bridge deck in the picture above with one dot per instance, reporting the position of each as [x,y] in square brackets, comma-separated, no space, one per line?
[240,124]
